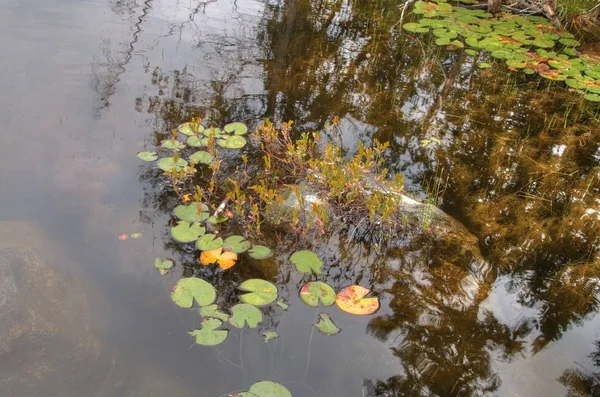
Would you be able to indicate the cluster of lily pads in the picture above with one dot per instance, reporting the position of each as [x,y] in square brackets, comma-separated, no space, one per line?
[193,220]
[230,137]
[527,43]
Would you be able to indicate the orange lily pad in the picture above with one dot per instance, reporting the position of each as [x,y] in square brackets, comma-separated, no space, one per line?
[352,300]
[225,259]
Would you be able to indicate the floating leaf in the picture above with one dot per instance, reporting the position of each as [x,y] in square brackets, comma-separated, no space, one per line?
[190,128]
[147,156]
[569,42]
[313,292]
[236,128]
[201,157]
[172,144]
[326,326]
[186,232]
[232,142]
[209,335]
[352,300]
[270,335]
[136,236]
[260,292]
[212,131]
[214,220]
[163,265]
[282,304]
[243,313]
[196,141]
[195,212]
[592,97]
[209,242]
[306,262]
[415,28]
[259,252]
[266,389]
[123,236]
[192,288]
[484,65]
[225,259]
[237,244]
[212,311]
[167,164]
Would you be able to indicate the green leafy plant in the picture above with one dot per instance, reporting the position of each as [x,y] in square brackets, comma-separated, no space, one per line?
[306,262]
[190,289]
[210,334]
[316,291]
[326,326]
[259,292]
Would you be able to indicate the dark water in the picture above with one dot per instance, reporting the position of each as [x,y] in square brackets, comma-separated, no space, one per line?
[86,85]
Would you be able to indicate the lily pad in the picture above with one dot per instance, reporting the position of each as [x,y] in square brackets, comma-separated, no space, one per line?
[209,242]
[195,141]
[260,292]
[306,262]
[201,157]
[172,144]
[237,244]
[209,334]
[195,212]
[243,313]
[592,97]
[315,291]
[186,232]
[214,220]
[163,265]
[225,259]
[326,326]
[212,131]
[168,164]
[236,128]
[270,335]
[147,156]
[266,389]
[193,288]
[232,142]
[282,304]
[190,128]
[259,252]
[352,300]
[212,311]
[415,28]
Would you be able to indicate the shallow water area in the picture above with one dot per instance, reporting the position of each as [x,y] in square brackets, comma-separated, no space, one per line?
[504,301]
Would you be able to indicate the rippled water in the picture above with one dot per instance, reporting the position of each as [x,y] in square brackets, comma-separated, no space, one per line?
[86,85]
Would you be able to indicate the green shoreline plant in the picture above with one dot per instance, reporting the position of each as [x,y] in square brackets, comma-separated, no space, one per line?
[526,43]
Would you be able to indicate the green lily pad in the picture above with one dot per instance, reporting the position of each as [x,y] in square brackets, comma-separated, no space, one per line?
[236,128]
[195,212]
[195,141]
[163,265]
[237,244]
[266,389]
[260,292]
[209,334]
[186,232]
[415,28]
[442,41]
[484,65]
[471,52]
[282,304]
[212,311]
[216,132]
[147,156]
[214,220]
[190,128]
[569,42]
[232,142]
[315,291]
[574,84]
[592,97]
[167,164]
[209,242]
[244,313]
[172,144]
[201,157]
[306,262]
[326,326]
[192,288]
[270,335]
[259,252]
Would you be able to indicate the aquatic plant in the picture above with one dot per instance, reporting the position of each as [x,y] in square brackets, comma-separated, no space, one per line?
[316,291]
[326,326]
[353,300]
[527,43]
[306,262]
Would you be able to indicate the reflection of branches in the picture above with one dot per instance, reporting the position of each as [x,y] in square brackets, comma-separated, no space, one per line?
[582,382]
[107,74]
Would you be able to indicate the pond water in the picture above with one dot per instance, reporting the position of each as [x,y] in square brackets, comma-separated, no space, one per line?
[88,84]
